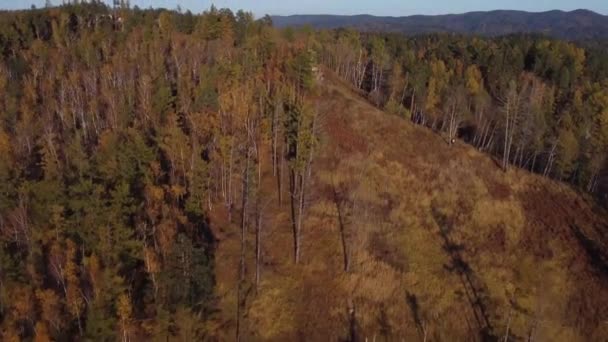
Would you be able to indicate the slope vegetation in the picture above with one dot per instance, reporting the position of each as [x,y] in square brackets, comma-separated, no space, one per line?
[406,237]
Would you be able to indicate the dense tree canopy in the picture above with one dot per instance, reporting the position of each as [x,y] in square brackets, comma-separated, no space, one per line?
[121,129]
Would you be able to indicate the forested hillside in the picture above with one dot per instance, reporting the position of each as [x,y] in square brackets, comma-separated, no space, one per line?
[120,130]
[534,103]
[575,25]
[170,176]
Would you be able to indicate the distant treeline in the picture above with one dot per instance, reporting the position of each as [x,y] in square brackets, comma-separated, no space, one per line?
[575,25]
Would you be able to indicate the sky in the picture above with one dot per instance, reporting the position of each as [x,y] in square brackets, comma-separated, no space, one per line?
[348,7]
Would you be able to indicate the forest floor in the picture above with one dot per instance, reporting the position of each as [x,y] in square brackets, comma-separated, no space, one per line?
[440,242]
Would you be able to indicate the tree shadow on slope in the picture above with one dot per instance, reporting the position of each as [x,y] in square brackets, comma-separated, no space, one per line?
[413,304]
[598,255]
[471,285]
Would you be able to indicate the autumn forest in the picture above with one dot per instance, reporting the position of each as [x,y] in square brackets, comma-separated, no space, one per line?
[132,139]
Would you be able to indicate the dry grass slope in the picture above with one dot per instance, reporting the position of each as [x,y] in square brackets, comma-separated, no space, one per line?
[439,242]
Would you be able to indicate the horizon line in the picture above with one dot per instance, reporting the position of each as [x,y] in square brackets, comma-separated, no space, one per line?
[260,15]
[440,14]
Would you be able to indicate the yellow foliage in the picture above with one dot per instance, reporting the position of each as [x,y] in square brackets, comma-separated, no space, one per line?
[154,193]
[95,274]
[23,303]
[42,332]
[189,325]
[274,302]
[123,308]
[151,260]
[178,191]
[124,312]
[489,213]
[49,304]
[473,79]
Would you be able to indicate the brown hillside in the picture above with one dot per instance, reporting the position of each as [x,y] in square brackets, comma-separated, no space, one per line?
[440,242]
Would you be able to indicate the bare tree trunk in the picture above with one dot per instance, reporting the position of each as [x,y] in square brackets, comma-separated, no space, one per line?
[549,165]
[425,332]
[480,137]
[412,114]
[454,125]
[486,134]
[374,78]
[300,215]
[281,175]
[258,248]
[294,226]
[78,319]
[361,69]
[506,339]
[516,157]
[298,186]
[505,154]
[274,140]
[379,84]
[444,120]
[592,184]
[352,323]
[407,82]
[243,235]
[490,139]
[244,205]
[229,199]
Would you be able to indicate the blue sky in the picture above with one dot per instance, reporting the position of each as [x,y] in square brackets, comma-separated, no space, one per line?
[376,7]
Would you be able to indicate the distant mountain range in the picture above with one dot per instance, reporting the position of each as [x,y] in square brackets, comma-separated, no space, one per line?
[575,25]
